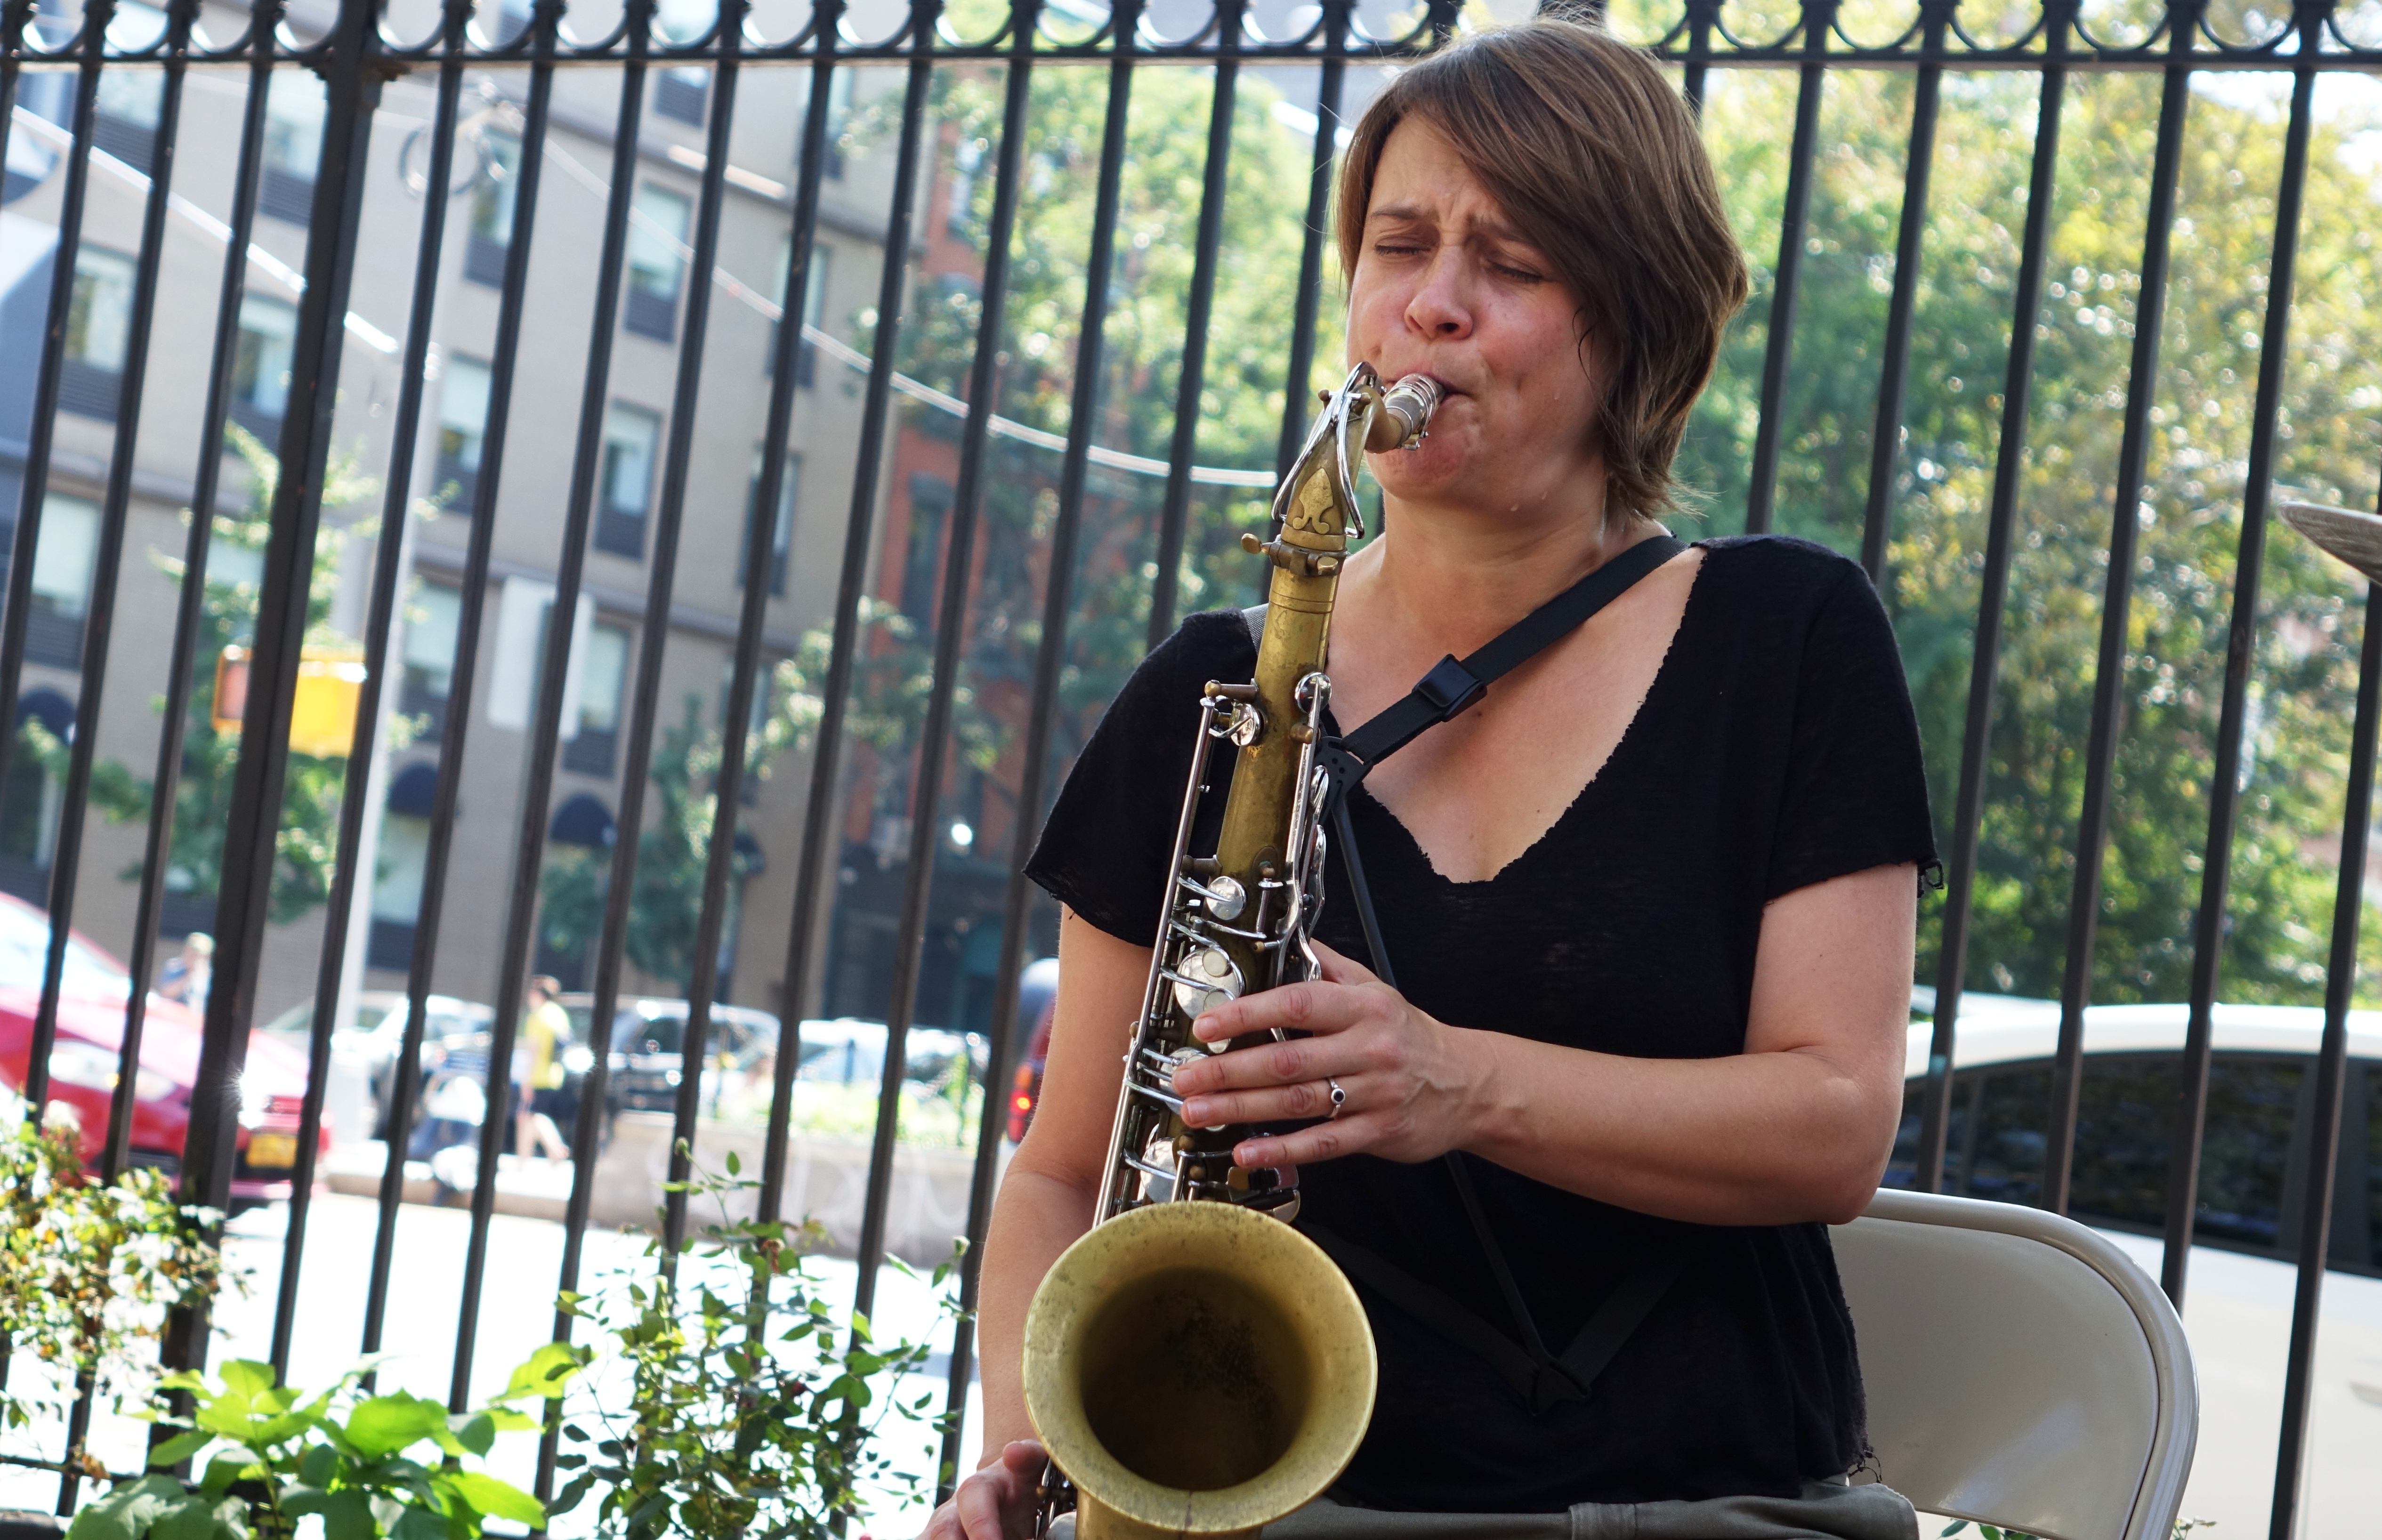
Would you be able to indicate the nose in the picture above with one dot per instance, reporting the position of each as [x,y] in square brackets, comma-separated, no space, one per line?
[1440,306]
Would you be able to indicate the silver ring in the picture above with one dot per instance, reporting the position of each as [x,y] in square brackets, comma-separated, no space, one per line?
[1339,1098]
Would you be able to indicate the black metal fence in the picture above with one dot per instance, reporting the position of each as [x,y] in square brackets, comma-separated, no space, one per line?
[358,47]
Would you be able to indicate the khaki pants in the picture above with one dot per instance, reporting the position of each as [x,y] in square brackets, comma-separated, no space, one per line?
[1825,1510]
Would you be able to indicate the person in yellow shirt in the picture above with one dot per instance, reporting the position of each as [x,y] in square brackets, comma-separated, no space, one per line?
[537,1072]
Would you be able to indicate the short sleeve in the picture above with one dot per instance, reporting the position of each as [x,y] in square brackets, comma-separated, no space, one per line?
[1103,853]
[1855,792]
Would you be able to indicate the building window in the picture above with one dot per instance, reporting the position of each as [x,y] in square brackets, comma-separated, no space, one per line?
[431,622]
[260,367]
[462,423]
[656,262]
[99,320]
[396,890]
[491,210]
[813,307]
[131,100]
[603,677]
[839,116]
[64,559]
[631,435]
[683,94]
[293,145]
[782,537]
[930,501]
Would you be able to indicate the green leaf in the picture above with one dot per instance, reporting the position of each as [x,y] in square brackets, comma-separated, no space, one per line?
[497,1498]
[475,1433]
[504,1419]
[127,1512]
[247,1378]
[418,1523]
[318,1465]
[735,1166]
[175,1450]
[384,1424]
[189,1519]
[571,1495]
[545,1373]
[348,1515]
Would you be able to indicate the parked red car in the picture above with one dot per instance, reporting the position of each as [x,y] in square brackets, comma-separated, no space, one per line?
[82,1061]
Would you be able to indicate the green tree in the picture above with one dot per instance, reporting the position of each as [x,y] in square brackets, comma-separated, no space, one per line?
[2189,517]
[305,842]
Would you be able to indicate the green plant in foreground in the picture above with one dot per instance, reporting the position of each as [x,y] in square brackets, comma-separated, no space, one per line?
[276,1457]
[89,1269]
[751,1413]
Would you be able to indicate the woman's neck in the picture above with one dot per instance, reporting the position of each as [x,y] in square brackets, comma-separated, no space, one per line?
[1461,581]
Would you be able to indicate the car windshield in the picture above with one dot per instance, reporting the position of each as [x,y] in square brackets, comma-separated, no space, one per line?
[635,1034]
[24,946]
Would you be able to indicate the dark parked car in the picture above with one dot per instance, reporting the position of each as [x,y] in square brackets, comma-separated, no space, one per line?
[646,1064]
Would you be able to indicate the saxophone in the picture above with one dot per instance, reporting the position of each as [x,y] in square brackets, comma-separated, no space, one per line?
[1192,1367]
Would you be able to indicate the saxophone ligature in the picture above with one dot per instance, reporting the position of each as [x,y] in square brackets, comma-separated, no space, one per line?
[1193,1367]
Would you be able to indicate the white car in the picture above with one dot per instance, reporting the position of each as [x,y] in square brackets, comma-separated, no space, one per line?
[2242,1274]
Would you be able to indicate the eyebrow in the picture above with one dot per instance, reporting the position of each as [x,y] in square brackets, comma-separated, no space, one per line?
[1494,230]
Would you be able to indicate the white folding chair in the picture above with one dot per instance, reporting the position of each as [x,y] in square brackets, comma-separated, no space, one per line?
[2022,1370]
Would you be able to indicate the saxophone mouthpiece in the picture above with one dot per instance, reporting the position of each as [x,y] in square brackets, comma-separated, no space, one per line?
[1405,412]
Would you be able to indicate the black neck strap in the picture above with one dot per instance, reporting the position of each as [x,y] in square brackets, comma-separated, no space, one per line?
[1455,685]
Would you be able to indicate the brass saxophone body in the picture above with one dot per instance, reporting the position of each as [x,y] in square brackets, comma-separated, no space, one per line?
[1193,1367]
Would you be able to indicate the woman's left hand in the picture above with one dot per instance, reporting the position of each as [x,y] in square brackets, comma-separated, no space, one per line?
[1413,1087]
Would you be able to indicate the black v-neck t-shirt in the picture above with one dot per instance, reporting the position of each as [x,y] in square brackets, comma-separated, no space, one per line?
[1776,748]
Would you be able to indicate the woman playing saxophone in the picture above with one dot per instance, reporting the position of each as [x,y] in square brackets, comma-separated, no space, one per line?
[1649,901]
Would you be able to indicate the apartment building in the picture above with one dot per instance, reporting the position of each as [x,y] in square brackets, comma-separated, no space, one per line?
[484,219]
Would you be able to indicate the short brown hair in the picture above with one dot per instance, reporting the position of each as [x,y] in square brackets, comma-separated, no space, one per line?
[1595,157]
[546,985]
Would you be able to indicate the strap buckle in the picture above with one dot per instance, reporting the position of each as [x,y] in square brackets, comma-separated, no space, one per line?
[1451,688]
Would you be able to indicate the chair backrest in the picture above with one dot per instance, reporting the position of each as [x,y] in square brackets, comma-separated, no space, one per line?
[2022,1370]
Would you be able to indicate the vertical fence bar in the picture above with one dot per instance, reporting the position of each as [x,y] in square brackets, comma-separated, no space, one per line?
[1049,656]
[15,17]
[182,19]
[1984,665]
[2225,785]
[826,745]
[2332,1063]
[388,567]
[191,601]
[42,432]
[1761,494]
[352,85]
[1319,212]
[67,859]
[698,286]
[1886,438]
[728,784]
[1174,518]
[586,462]
[1703,16]
[455,726]
[2101,752]
[934,737]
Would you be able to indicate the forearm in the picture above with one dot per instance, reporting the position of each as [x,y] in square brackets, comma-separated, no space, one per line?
[1754,1139]
[1038,1214]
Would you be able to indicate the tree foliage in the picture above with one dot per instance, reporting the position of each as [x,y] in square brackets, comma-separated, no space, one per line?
[306,839]
[2188,519]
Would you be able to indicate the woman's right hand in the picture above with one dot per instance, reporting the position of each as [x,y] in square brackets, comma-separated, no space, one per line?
[997,1502]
